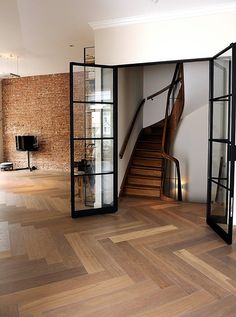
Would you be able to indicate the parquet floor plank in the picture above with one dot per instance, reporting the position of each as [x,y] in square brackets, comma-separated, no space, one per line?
[71,296]
[86,256]
[215,275]
[151,258]
[114,304]
[178,307]
[142,233]
[223,307]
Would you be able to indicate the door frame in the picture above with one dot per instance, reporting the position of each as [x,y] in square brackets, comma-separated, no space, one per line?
[211,220]
[114,207]
[233,149]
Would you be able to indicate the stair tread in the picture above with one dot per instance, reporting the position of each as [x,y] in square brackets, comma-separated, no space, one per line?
[135,165]
[146,167]
[144,176]
[154,135]
[148,150]
[147,187]
[149,140]
[147,162]
[148,158]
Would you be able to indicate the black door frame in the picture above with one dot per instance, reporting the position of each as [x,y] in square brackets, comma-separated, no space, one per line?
[114,207]
[115,80]
[231,98]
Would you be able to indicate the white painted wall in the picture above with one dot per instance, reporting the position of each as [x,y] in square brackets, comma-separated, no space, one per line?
[130,94]
[1,125]
[191,151]
[155,78]
[166,39]
[191,143]
[196,82]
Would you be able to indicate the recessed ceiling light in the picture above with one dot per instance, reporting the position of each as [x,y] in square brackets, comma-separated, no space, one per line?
[155,1]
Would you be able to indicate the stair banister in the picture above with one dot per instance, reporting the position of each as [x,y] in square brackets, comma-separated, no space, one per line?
[165,155]
[173,82]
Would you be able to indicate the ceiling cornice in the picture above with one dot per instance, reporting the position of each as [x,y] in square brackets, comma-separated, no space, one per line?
[95,25]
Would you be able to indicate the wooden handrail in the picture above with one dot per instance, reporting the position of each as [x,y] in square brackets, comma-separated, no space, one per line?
[167,106]
[126,140]
[164,154]
[162,90]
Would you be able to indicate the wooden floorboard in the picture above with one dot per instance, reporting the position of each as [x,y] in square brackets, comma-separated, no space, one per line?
[149,259]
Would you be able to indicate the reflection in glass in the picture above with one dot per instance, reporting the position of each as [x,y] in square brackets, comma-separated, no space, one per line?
[98,85]
[222,66]
[219,201]
[93,156]
[78,120]
[78,84]
[101,120]
[89,57]
[220,119]
[93,120]
[93,191]
[219,161]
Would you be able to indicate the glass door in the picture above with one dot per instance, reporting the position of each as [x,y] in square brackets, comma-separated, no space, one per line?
[93,125]
[222,143]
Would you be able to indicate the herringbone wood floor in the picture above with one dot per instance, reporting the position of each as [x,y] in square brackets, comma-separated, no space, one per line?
[149,259]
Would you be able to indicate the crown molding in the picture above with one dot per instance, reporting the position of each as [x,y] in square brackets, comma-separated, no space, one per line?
[103,24]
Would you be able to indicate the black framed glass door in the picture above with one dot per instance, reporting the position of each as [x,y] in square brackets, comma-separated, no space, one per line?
[222,143]
[93,128]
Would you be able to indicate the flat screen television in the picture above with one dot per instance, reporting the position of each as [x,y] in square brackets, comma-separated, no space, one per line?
[27,143]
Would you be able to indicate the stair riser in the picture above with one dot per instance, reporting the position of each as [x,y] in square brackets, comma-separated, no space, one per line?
[141,181]
[142,192]
[151,163]
[151,146]
[148,154]
[151,138]
[144,172]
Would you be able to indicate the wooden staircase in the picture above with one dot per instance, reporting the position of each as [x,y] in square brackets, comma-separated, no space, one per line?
[145,170]
[152,170]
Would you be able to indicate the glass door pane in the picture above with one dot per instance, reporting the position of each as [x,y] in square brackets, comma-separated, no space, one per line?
[221,144]
[93,139]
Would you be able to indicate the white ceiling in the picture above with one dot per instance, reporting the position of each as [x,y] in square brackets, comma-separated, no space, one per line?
[40,31]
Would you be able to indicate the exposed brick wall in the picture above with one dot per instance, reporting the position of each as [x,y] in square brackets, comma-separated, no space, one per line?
[39,105]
